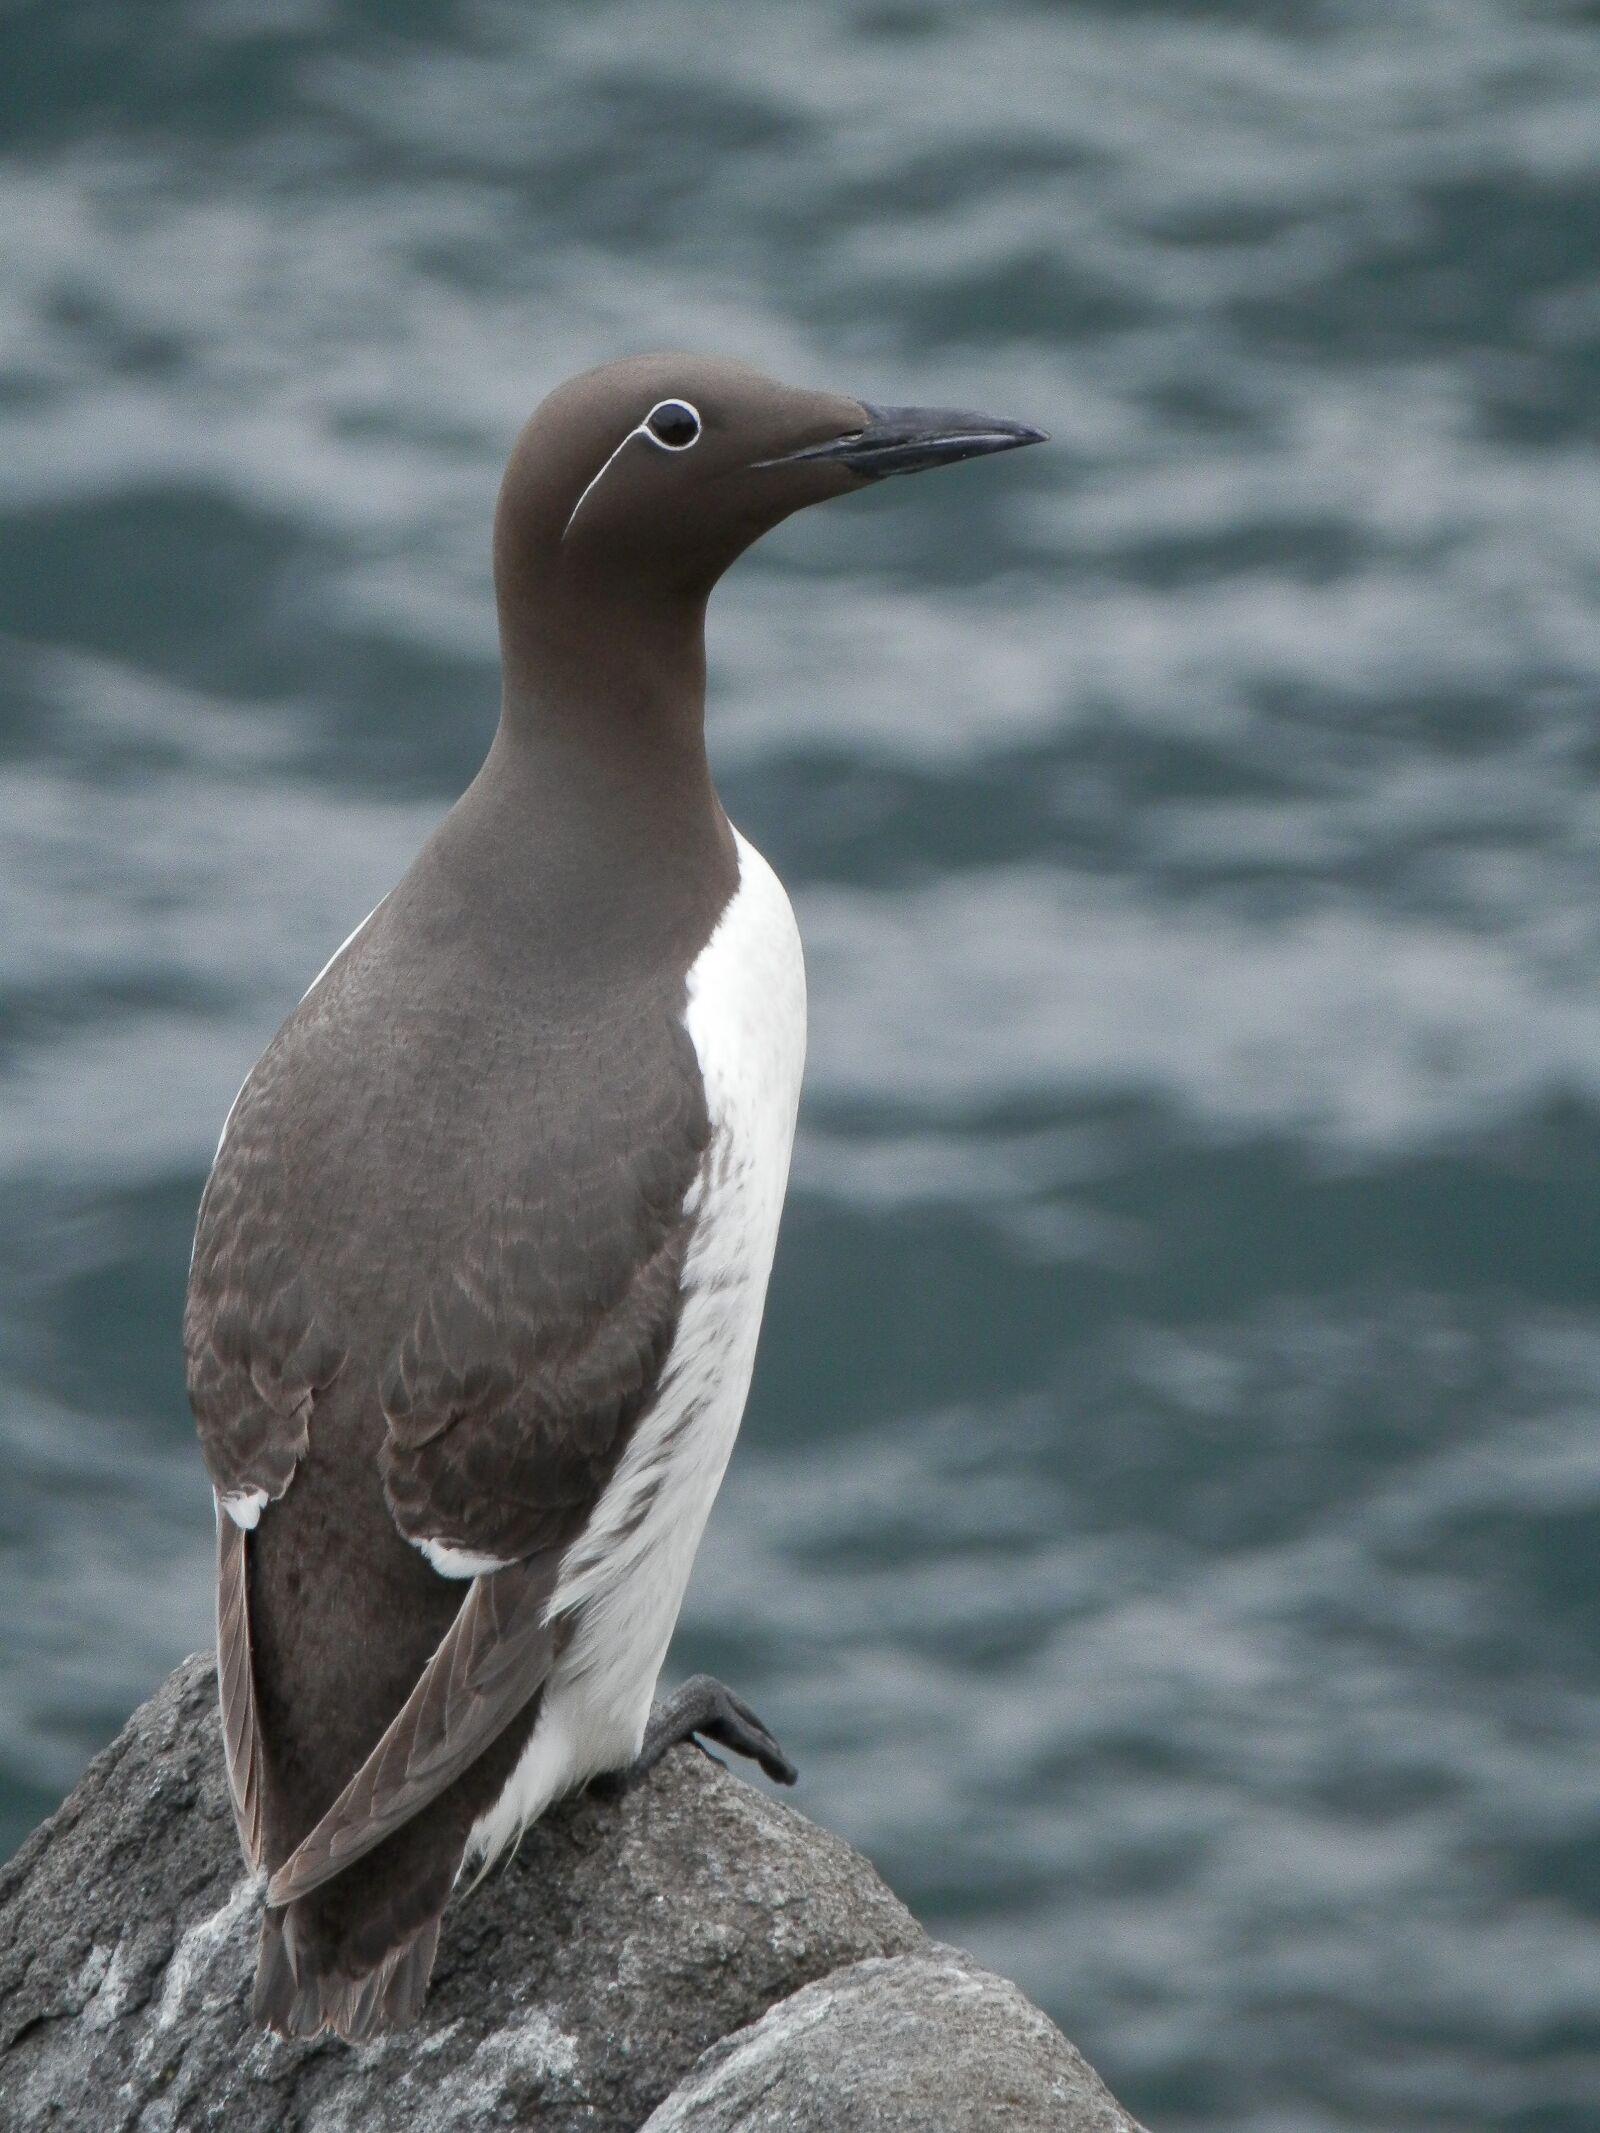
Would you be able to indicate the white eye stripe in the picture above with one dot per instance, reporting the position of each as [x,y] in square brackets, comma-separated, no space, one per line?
[644,430]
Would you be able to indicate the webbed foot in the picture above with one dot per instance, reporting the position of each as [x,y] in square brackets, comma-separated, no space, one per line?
[702,1710]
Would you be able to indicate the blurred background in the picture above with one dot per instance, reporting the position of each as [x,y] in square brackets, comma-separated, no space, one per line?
[1166,1525]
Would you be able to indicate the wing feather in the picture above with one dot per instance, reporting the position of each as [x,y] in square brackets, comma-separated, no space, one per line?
[492,1659]
[480,1295]
[241,1727]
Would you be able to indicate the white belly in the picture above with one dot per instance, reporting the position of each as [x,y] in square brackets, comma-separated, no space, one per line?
[624,1580]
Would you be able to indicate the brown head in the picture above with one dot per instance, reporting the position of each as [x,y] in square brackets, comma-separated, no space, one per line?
[634,486]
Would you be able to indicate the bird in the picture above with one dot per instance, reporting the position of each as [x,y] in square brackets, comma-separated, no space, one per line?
[481,1261]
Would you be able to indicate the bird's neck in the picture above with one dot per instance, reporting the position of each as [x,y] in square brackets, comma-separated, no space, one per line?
[604,700]
[602,659]
[597,796]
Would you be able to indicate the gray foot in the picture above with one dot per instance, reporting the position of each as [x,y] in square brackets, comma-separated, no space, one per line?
[701,1710]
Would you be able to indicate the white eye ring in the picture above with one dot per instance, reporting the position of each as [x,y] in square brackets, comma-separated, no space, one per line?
[644,430]
[684,444]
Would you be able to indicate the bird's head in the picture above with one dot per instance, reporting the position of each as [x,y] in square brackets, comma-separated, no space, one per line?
[647,477]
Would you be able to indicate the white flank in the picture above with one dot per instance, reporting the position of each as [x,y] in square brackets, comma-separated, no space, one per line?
[458,1562]
[625,1581]
[244,1508]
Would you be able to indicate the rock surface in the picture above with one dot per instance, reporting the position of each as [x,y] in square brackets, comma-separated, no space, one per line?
[626,1950]
[900,2045]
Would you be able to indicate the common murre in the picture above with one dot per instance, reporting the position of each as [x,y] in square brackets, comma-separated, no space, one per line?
[480,1265]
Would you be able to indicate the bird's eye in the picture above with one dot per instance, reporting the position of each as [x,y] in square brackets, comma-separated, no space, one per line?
[673,423]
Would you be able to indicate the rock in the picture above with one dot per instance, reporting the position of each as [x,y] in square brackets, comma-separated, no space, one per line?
[627,1944]
[900,2045]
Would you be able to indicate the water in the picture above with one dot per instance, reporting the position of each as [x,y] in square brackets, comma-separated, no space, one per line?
[1166,1523]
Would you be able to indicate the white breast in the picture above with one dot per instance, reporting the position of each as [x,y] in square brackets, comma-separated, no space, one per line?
[624,1580]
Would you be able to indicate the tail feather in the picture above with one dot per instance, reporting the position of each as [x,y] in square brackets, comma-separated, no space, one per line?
[296,2000]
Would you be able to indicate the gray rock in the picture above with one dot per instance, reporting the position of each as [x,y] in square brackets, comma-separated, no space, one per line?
[575,1985]
[573,1989]
[909,2044]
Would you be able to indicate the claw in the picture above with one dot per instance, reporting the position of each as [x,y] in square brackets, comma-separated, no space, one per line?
[702,1710]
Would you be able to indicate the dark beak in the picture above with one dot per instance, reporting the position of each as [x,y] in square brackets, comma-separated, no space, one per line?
[904,440]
